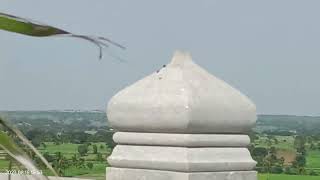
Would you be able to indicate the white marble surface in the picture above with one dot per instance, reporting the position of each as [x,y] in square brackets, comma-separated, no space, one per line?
[181,123]
[143,174]
[182,140]
[181,98]
[181,158]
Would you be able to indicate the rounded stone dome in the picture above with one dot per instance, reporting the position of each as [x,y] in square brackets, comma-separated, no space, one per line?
[182,97]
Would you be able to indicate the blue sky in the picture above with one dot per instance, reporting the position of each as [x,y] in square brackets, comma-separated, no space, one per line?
[269,50]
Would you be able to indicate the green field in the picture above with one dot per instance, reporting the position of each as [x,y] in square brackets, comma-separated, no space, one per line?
[285,143]
[313,159]
[3,165]
[68,150]
[287,177]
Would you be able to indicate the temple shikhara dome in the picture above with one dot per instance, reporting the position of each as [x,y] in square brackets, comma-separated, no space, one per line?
[181,122]
[181,97]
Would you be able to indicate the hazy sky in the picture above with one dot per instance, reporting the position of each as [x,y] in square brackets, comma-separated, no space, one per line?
[269,50]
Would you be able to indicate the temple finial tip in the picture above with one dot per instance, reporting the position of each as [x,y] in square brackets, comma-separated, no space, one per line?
[180,57]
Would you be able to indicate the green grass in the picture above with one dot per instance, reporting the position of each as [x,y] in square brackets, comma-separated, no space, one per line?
[287,177]
[63,148]
[70,148]
[98,169]
[3,165]
[313,159]
[98,172]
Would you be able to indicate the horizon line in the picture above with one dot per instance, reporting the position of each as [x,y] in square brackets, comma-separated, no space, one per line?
[100,110]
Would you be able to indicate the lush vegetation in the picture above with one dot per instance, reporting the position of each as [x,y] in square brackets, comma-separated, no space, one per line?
[281,149]
[286,177]
[70,144]
[77,144]
[69,159]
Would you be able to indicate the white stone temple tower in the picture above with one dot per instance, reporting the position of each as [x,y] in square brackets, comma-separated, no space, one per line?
[181,123]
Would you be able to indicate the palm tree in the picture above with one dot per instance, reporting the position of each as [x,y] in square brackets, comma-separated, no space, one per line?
[29,27]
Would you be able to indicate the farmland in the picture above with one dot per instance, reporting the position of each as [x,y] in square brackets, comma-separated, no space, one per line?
[286,177]
[78,143]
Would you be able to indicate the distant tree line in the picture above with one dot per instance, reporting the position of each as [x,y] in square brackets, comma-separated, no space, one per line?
[37,137]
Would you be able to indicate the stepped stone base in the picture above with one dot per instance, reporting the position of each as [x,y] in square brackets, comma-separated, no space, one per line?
[144,174]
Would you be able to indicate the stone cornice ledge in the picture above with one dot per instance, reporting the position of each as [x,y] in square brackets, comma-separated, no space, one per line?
[182,140]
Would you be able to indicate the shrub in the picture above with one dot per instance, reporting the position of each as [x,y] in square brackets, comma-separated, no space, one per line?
[82,149]
[313,173]
[90,165]
[277,170]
